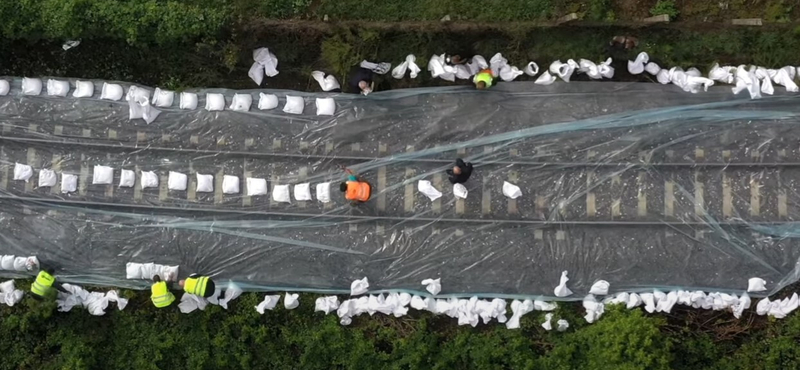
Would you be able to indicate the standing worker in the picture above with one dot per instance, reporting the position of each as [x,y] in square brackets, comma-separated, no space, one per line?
[460,172]
[201,286]
[483,79]
[160,294]
[43,286]
[355,188]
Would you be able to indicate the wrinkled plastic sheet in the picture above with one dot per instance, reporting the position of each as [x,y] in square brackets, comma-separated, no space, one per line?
[642,185]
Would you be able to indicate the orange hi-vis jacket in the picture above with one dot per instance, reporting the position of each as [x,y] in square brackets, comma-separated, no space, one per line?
[358,190]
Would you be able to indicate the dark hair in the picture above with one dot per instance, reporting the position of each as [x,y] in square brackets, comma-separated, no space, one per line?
[156,278]
[343,187]
[50,271]
[210,288]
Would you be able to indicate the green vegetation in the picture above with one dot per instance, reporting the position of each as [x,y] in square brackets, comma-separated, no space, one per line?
[600,10]
[779,11]
[33,336]
[665,7]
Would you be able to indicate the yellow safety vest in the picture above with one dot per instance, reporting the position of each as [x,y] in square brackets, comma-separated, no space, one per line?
[43,283]
[196,286]
[484,76]
[160,295]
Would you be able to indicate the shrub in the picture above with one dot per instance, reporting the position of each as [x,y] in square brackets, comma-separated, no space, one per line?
[665,7]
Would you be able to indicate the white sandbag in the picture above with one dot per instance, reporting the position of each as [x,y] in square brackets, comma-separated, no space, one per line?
[434,286]
[652,68]
[561,290]
[136,93]
[599,287]
[722,74]
[325,106]
[215,102]
[188,100]
[20,263]
[546,324]
[532,69]
[168,273]
[326,304]
[544,306]
[510,190]
[7,262]
[590,68]
[290,301]
[5,87]
[69,183]
[127,178]
[294,105]
[241,102]
[177,181]
[425,187]
[57,87]
[496,63]
[636,67]
[326,83]
[133,270]
[605,69]
[359,287]
[111,91]
[32,263]
[149,179]
[256,73]
[509,73]
[409,64]
[302,191]
[102,175]
[563,70]
[663,77]
[266,61]
[191,302]
[269,302]
[545,79]
[256,186]
[31,86]
[280,193]
[267,101]
[163,98]
[782,77]
[324,192]
[462,72]
[460,191]
[756,285]
[593,308]
[205,183]
[47,178]
[379,68]
[232,291]
[563,325]
[9,295]
[230,184]
[83,89]
[22,172]
[519,309]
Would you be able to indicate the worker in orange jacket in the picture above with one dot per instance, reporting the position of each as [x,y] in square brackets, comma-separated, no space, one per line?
[356,189]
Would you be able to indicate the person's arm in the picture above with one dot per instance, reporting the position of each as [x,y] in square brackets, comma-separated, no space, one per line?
[460,163]
[60,288]
[449,172]
[352,178]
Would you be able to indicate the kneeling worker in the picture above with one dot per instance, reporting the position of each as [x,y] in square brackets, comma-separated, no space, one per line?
[356,189]
[201,286]
[483,79]
[160,294]
[42,287]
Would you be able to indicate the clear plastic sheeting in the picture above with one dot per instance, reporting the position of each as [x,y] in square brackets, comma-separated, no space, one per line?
[640,185]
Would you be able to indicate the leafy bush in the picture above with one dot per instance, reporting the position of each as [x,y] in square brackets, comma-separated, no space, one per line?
[600,10]
[665,7]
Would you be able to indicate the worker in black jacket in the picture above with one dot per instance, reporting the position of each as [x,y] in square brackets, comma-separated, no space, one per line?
[460,172]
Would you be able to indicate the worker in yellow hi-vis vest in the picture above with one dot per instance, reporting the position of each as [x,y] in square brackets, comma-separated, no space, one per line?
[483,79]
[201,286]
[160,294]
[45,285]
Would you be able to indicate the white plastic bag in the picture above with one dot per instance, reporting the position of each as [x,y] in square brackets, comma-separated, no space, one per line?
[652,68]
[57,87]
[232,291]
[230,184]
[102,175]
[294,105]
[280,193]
[163,98]
[510,190]
[605,69]
[241,102]
[509,73]
[269,302]
[325,106]
[83,89]
[545,79]
[205,183]
[5,87]
[69,183]
[409,64]
[267,101]
[111,91]
[215,102]
[302,191]
[546,324]
[188,100]
[563,70]
[22,172]
[756,285]
[532,69]
[7,262]
[326,83]
[326,304]
[434,286]
[290,301]
[359,287]
[47,178]
[127,178]
[563,325]
[256,186]
[324,192]
[149,179]
[561,290]
[636,67]
[460,191]
[31,86]
[425,187]
[599,287]
[177,181]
